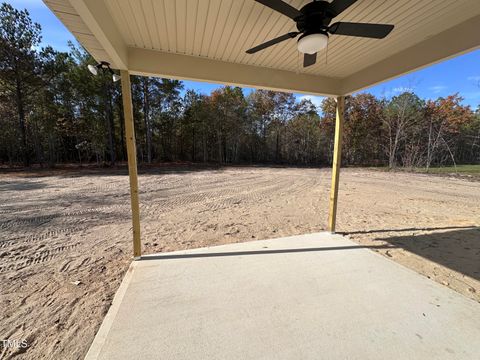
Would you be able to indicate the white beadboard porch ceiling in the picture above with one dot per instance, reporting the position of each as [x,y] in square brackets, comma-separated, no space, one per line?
[222,30]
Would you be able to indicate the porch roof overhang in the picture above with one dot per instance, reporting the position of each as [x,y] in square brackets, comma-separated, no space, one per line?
[205,40]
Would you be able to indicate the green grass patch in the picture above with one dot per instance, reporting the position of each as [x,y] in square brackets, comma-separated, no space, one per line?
[465,170]
[460,169]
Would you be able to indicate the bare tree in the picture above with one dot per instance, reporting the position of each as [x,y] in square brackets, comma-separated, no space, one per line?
[401,114]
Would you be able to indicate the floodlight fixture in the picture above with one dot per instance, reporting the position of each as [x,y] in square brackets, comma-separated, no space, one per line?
[104,66]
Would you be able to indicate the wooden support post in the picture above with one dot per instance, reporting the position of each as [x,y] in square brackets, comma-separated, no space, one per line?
[132,160]
[337,160]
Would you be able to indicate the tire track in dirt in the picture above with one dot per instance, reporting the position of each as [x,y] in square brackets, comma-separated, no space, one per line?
[37,238]
[198,186]
[38,257]
[252,191]
[173,201]
[71,215]
[36,221]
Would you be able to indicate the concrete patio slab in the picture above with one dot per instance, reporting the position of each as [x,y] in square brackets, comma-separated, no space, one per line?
[316,296]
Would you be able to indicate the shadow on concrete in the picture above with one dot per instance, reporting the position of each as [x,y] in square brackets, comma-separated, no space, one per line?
[458,250]
[262,252]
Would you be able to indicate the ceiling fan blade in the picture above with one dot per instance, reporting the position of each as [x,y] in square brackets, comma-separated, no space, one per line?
[339,6]
[281,7]
[309,59]
[265,45]
[375,31]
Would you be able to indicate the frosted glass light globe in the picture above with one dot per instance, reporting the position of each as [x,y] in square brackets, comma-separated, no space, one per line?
[93,69]
[310,44]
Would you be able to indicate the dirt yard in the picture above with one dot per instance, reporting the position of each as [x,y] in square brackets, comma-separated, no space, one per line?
[65,239]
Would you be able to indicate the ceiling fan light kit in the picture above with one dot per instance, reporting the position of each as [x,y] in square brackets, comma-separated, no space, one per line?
[312,43]
[313,24]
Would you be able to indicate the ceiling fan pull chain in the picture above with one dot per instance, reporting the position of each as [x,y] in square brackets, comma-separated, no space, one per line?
[326,55]
[299,63]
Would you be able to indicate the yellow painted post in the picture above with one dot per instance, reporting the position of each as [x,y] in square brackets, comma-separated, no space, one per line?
[337,160]
[132,160]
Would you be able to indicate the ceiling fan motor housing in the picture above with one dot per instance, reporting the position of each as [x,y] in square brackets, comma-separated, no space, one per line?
[316,16]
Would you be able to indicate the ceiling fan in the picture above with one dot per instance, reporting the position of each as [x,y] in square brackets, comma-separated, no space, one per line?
[313,23]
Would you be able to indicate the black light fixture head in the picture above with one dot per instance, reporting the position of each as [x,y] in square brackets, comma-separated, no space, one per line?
[104,66]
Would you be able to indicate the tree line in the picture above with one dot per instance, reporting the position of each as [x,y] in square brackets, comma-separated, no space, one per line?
[53,111]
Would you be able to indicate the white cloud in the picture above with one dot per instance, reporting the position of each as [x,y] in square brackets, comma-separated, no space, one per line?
[316,100]
[437,89]
[402,89]
[474,78]
[388,93]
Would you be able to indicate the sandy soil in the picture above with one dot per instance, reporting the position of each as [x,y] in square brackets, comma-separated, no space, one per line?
[65,239]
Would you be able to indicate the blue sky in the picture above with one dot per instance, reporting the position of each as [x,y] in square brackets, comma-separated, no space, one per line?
[461,74]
